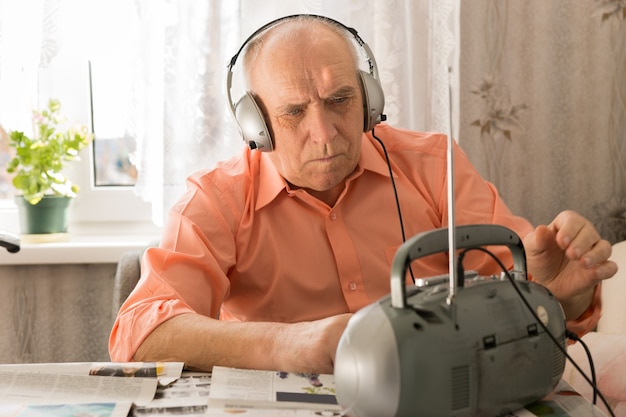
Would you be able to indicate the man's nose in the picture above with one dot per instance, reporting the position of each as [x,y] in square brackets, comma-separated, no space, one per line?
[321,124]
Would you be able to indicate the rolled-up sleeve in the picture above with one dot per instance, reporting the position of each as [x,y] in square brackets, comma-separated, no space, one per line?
[185,274]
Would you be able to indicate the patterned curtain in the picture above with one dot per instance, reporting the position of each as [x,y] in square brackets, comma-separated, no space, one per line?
[543,95]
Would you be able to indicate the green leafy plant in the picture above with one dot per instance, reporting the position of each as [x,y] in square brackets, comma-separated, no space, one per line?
[39,162]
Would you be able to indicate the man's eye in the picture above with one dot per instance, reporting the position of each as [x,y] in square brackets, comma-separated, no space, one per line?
[339,100]
[293,111]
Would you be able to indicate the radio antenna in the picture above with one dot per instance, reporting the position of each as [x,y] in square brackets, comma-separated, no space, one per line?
[452,257]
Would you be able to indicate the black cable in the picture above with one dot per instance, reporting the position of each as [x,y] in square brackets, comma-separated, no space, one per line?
[395,193]
[573,336]
[543,326]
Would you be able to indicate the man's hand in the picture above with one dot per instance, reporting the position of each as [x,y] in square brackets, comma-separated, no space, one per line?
[311,346]
[570,258]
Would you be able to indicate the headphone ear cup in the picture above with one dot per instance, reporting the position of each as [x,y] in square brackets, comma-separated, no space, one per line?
[252,124]
[373,101]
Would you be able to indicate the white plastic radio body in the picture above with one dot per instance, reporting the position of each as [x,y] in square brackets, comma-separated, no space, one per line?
[415,353]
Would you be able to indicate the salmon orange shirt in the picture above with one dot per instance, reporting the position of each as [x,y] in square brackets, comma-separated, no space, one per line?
[242,245]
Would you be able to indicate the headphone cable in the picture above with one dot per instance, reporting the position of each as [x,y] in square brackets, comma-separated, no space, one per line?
[395,193]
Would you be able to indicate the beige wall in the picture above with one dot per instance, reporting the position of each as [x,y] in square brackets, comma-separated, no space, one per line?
[546,81]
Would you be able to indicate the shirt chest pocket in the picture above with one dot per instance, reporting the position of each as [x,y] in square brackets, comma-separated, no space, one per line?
[390,254]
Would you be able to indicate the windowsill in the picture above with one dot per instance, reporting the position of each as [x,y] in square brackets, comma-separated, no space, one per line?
[85,245]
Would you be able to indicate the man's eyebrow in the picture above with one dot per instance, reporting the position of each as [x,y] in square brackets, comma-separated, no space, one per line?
[343,92]
[346,91]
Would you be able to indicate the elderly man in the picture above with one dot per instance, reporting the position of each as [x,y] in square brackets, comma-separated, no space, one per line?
[265,257]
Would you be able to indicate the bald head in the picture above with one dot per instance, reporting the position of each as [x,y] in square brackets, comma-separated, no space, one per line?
[296,36]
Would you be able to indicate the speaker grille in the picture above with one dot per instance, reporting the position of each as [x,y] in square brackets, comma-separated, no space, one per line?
[460,387]
[558,361]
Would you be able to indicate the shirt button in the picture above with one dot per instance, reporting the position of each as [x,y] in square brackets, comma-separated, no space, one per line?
[333,216]
[352,286]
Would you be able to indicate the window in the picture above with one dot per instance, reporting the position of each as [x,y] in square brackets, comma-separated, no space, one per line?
[114,145]
[78,57]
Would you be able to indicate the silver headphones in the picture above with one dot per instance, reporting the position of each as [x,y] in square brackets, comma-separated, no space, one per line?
[249,117]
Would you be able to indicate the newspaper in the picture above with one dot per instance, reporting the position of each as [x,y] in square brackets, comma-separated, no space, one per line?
[188,396]
[165,372]
[265,393]
[80,388]
[564,401]
[234,389]
[63,410]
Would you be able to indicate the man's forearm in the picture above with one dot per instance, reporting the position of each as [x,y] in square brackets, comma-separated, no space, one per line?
[202,342]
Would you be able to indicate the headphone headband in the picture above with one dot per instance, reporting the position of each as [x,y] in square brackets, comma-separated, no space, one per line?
[355,34]
[250,120]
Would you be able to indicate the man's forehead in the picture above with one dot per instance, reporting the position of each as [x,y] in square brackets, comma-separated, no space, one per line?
[299,87]
[297,74]
[298,95]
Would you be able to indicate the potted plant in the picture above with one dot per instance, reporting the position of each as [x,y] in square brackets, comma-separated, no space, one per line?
[45,192]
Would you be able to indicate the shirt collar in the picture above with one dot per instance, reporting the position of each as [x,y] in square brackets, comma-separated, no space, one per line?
[271,183]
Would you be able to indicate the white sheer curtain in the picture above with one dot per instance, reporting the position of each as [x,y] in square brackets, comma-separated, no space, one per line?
[182,121]
[189,127]
[177,106]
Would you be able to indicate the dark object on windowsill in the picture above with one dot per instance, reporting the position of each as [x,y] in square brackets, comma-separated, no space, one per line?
[10,241]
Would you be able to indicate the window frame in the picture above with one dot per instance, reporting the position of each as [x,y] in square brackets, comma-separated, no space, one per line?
[103,204]
[96,209]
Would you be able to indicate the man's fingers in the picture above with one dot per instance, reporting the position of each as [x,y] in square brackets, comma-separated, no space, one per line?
[577,236]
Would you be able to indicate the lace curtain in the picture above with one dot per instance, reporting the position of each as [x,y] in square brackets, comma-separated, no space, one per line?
[175,104]
[543,93]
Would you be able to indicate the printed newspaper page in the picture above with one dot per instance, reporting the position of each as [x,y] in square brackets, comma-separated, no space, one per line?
[233,389]
[63,410]
[269,412]
[94,388]
[266,393]
[188,395]
[165,372]
[564,401]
